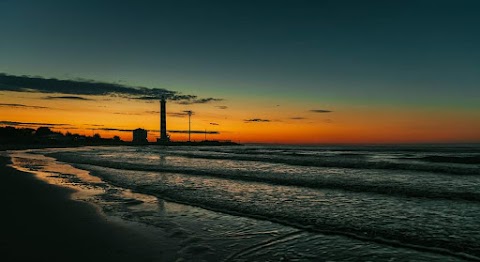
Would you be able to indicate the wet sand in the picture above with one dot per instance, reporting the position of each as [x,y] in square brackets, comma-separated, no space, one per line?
[41,223]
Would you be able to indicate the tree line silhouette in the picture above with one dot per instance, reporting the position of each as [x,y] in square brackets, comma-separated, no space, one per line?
[45,136]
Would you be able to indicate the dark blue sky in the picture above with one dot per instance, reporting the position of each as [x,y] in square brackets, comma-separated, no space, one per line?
[403,53]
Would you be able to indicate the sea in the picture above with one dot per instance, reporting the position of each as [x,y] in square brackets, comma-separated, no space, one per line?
[282,203]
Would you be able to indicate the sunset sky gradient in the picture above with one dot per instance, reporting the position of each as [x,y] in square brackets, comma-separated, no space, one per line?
[302,72]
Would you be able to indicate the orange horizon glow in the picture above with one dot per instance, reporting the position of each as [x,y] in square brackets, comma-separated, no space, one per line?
[345,125]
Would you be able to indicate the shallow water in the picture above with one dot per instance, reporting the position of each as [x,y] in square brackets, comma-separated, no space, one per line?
[298,203]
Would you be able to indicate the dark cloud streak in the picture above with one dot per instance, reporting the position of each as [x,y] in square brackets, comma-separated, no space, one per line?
[126,113]
[112,129]
[193,132]
[199,101]
[13,123]
[23,106]
[256,120]
[32,84]
[67,98]
[177,114]
[92,125]
[321,111]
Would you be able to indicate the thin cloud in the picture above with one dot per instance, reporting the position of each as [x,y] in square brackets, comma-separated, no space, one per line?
[13,123]
[146,98]
[214,124]
[199,101]
[182,97]
[298,118]
[320,111]
[23,106]
[256,120]
[92,125]
[177,114]
[79,87]
[112,129]
[67,98]
[73,87]
[193,132]
[126,114]
[222,107]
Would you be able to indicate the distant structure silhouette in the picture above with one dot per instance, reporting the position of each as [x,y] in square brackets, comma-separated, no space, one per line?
[11,137]
[189,112]
[140,136]
[163,122]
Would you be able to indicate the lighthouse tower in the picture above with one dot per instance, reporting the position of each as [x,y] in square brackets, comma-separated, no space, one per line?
[163,122]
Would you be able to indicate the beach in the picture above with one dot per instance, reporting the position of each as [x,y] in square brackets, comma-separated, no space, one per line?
[40,222]
[249,203]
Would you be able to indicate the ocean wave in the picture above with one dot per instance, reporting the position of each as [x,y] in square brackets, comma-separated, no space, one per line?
[420,224]
[473,160]
[341,162]
[410,185]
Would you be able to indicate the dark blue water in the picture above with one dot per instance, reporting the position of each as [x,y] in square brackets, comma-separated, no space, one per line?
[401,199]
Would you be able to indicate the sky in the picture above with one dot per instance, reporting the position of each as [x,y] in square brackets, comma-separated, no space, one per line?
[288,72]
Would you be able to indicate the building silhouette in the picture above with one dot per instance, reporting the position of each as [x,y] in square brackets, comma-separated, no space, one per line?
[140,136]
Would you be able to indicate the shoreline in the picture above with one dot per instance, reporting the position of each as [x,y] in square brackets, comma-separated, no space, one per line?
[41,222]
[42,218]
[6,147]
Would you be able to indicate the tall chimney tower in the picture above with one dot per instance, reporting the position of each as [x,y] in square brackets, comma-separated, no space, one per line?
[163,121]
